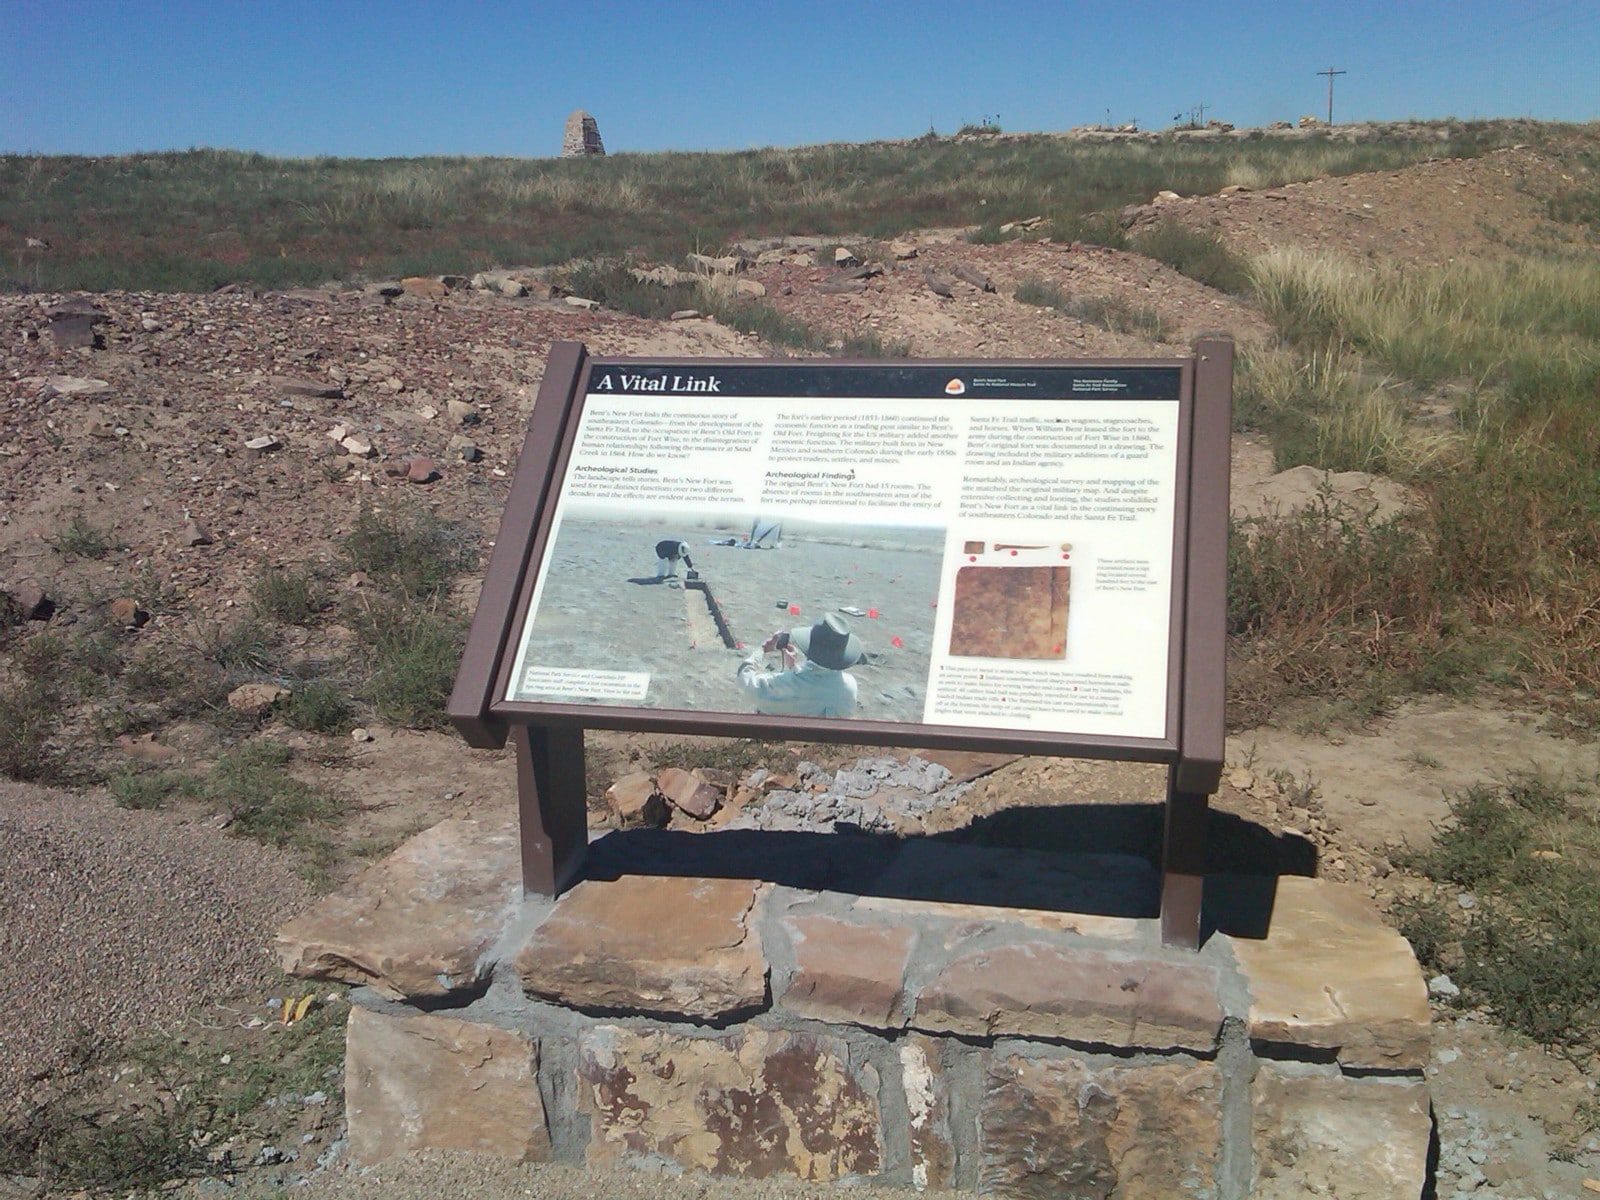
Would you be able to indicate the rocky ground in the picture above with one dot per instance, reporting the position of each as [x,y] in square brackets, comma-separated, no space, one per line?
[152,431]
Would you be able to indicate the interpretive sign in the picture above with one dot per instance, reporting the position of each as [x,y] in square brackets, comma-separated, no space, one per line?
[981,554]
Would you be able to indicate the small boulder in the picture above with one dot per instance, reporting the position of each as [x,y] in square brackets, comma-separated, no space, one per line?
[902,251]
[255,699]
[689,793]
[582,302]
[195,534]
[420,470]
[424,288]
[635,802]
[685,314]
[461,412]
[125,611]
[844,258]
[74,331]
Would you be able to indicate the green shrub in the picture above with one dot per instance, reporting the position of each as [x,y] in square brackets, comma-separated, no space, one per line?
[82,539]
[1040,292]
[288,596]
[317,707]
[414,651]
[264,801]
[416,555]
[1199,254]
[152,789]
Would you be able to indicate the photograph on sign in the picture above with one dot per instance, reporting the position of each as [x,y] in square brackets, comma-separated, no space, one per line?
[994,552]
[662,611]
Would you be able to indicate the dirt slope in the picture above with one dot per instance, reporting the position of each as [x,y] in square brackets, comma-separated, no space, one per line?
[190,379]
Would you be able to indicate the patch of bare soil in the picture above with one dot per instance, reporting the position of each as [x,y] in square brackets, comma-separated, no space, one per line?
[1432,213]
[189,380]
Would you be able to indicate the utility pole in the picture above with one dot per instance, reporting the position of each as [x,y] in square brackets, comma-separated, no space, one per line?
[1200,115]
[1330,73]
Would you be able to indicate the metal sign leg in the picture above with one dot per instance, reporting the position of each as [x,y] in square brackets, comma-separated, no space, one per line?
[1183,866]
[551,806]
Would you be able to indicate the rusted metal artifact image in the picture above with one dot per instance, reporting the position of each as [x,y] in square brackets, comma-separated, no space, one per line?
[1010,612]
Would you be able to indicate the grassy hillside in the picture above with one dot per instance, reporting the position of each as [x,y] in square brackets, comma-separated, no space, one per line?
[195,220]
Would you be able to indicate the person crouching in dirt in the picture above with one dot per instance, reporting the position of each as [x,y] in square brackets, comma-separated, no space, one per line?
[813,681]
[667,555]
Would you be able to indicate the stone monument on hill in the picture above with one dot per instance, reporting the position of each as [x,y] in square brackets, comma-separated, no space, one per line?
[582,136]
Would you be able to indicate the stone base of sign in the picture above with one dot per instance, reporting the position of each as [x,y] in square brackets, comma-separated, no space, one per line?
[740,1005]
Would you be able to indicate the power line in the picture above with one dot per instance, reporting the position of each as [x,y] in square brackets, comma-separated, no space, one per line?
[1330,73]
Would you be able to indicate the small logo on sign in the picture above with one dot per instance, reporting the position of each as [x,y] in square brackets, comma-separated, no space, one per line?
[955,388]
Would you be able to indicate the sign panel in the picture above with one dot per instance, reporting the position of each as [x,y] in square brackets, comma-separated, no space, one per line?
[983,547]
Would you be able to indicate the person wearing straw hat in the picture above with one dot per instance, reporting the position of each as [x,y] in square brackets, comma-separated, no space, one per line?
[813,681]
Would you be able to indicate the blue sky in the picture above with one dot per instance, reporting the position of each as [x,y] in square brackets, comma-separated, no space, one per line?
[406,78]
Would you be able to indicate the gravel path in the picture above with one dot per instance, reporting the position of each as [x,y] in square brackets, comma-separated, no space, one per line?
[435,1173]
[115,923]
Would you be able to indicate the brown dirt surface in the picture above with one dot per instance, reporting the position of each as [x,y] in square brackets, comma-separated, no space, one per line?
[1432,213]
[134,919]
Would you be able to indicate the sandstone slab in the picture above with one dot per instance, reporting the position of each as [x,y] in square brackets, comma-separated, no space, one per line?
[1059,1127]
[1330,975]
[1324,1134]
[419,922]
[651,944]
[927,1092]
[849,972]
[424,1082]
[758,1103]
[1035,989]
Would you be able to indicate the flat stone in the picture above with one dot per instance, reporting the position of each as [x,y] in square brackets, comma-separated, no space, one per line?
[1120,929]
[581,302]
[195,534]
[970,274]
[73,330]
[651,944]
[1058,1127]
[689,792]
[263,444]
[461,412]
[635,802]
[423,1082]
[69,386]
[359,446]
[418,923]
[1325,1134]
[255,699]
[294,385]
[420,470]
[927,1093]
[848,972]
[685,314]
[842,287]
[1035,989]
[757,1103]
[1331,975]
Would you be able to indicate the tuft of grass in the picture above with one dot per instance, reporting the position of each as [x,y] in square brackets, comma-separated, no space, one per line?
[415,555]
[267,803]
[1199,254]
[245,646]
[317,707]
[138,1120]
[414,649]
[80,538]
[1529,950]
[288,596]
[29,718]
[152,789]
[1040,292]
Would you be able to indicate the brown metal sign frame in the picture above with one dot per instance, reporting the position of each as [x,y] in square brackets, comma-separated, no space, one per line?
[548,737]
